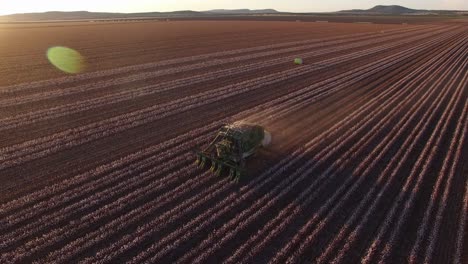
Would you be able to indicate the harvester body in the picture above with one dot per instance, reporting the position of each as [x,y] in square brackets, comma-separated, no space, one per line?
[231,146]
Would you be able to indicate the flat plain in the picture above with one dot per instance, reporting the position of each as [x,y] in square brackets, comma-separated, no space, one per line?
[368,162]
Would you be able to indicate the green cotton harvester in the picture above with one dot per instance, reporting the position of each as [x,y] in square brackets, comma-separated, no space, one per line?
[298,61]
[231,146]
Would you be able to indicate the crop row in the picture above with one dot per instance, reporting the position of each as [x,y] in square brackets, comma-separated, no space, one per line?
[382,177]
[286,216]
[127,80]
[33,149]
[59,215]
[45,114]
[461,230]
[324,179]
[186,230]
[386,180]
[302,94]
[151,190]
[414,179]
[191,59]
[18,219]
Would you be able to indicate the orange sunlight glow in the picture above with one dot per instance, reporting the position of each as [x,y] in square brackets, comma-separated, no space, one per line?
[33,6]
[10,7]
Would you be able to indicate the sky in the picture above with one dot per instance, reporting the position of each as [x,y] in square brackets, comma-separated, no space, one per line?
[130,6]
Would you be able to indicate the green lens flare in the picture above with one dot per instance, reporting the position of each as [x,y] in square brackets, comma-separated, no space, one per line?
[66,59]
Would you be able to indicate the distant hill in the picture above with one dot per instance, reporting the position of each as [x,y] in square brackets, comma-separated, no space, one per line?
[392,9]
[384,10]
[57,16]
[85,15]
[213,14]
[398,10]
[241,11]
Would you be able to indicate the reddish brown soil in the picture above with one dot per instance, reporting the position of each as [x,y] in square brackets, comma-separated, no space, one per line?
[109,45]
[369,144]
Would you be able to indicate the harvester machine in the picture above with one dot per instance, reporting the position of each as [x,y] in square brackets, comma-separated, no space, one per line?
[230,148]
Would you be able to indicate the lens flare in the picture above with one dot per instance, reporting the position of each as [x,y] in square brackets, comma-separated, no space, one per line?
[298,61]
[66,59]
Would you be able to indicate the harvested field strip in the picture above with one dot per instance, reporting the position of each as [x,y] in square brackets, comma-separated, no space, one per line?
[152,41]
[273,104]
[130,79]
[334,83]
[199,58]
[67,109]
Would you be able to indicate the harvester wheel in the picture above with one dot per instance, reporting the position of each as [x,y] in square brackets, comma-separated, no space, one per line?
[237,177]
[202,163]
[236,180]
[219,170]
[266,139]
[213,166]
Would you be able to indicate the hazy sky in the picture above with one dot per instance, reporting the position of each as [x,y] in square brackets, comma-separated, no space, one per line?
[24,6]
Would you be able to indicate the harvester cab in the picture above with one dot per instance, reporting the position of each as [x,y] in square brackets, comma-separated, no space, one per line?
[231,146]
